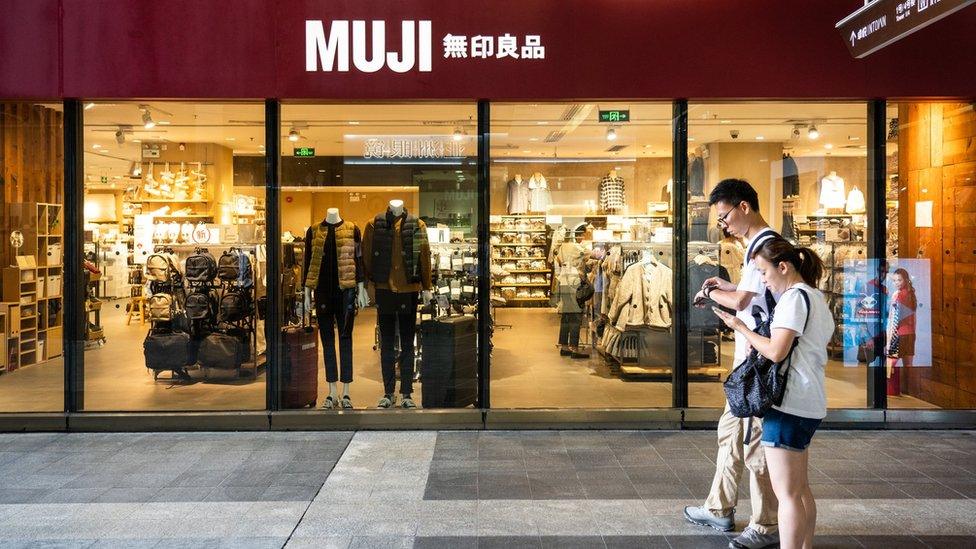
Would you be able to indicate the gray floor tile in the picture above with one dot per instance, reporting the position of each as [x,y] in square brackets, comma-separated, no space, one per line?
[572,542]
[182,493]
[236,493]
[290,493]
[445,542]
[836,542]
[636,542]
[890,542]
[698,542]
[127,495]
[509,542]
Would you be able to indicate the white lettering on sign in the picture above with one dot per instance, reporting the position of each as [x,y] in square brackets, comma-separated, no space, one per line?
[411,147]
[870,28]
[330,51]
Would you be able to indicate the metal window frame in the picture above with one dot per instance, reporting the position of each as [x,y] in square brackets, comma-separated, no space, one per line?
[74,418]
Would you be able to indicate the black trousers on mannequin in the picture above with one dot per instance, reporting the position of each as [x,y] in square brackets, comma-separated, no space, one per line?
[336,316]
[396,315]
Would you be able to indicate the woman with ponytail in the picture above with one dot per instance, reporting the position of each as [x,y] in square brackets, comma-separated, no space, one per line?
[801,318]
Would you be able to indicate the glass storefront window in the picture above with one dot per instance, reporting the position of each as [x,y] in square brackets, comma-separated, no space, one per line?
[808,164]
[379,254]
[581,197]
[174,256]
[931,252]
[31,245]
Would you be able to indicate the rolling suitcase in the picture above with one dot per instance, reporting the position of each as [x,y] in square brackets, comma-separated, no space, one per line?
[300,375]
[449,362]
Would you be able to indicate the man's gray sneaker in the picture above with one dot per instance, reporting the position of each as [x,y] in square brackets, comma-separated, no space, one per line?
[704,517]
[752,539]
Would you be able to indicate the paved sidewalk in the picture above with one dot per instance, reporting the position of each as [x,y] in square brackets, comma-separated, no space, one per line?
[457,489]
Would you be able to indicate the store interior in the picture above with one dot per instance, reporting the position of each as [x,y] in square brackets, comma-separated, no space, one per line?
[578,191]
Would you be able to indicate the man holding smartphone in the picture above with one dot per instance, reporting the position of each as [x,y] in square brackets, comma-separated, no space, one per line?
[736,204]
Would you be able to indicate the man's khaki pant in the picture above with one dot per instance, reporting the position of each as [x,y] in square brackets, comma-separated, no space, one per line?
[732,455]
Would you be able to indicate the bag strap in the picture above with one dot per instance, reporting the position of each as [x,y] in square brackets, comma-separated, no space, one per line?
[760,238]
[796,340]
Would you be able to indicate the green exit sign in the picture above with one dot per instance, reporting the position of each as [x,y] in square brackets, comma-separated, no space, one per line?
[306,152]
[615,116]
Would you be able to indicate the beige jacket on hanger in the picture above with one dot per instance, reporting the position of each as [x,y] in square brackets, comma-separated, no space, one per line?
[643,297]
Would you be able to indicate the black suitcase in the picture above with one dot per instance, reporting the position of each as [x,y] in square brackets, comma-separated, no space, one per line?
[449,363]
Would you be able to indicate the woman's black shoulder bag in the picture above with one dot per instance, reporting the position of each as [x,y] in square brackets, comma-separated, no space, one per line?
[757,384]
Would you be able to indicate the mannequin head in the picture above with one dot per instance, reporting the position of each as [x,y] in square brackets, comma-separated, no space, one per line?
[332,215]
[396,206]
[518,177]
[612,173]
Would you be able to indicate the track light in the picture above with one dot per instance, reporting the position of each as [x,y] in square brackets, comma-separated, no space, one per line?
[458,134]
[120,136]
[813,133]
[293,135]
[147,120]
[89,106]
[611,134]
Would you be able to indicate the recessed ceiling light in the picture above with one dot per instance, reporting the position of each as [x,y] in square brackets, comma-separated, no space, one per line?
[526,152]
[353,122]
[828,146]
[853,138]
[648,146]
[96,146]
[542,123]
[759,138]
[533,139]
[726,121]
[691,139]
[89,106]
[163,122]
[137,140]
[230,139]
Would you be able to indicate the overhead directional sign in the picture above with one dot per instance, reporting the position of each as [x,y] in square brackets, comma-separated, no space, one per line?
[882,22]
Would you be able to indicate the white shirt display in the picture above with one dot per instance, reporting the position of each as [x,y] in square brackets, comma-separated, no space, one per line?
[539,199]
[855,202]
[806,394]
[832,193]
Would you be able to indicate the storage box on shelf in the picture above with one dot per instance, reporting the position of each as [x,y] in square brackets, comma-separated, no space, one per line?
[522,238]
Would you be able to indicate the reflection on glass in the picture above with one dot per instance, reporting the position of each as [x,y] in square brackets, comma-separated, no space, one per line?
[582,263]
[807,162]
[174,256]
[379,221]
[31,239]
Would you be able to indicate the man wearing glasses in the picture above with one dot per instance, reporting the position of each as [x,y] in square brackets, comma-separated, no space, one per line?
[736,204]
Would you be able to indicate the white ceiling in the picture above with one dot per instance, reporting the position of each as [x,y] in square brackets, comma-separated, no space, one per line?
[519,130]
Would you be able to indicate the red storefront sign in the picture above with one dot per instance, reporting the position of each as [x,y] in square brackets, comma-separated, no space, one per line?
[576,49]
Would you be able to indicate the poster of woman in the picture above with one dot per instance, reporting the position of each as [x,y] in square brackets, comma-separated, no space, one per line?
[908,319]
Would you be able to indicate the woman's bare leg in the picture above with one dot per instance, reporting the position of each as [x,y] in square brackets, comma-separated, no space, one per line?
[788,473]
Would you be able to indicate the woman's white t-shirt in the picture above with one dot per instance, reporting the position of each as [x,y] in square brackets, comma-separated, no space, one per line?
[806,394]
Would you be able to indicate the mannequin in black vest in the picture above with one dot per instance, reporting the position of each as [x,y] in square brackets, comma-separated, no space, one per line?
[397,260]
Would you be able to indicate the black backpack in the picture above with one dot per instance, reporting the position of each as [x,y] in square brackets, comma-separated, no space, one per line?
[757,384]
[200,266]
[235,305]
[166,350]
[234,266]
[199,305]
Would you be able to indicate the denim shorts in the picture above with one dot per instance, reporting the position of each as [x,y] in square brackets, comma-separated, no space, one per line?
[782,430]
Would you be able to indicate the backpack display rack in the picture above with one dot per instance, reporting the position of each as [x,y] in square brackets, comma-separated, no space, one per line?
[202,315]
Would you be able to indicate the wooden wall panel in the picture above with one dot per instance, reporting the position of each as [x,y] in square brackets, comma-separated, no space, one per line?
[937,162]
[31,157]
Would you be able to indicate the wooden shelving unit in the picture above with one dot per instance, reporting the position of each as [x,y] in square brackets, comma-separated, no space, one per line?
[33,290]
[534,225]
